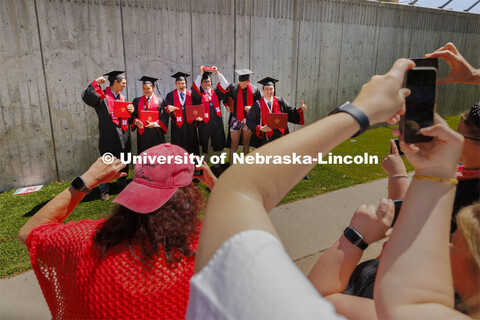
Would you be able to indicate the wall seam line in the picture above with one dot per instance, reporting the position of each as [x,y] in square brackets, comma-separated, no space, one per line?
[46,93]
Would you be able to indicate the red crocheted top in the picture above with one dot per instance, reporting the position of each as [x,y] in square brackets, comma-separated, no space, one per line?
[122,285]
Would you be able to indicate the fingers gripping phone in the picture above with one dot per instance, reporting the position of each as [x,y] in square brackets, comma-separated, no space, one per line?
[421,103]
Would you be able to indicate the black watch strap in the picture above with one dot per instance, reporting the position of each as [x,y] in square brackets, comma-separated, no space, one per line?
[79,184]
[355,238]
[355,112]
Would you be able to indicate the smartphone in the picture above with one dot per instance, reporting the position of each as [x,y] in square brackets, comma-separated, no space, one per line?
[426,62]
[398,205]
[420,104]
[397,142]
[197,173]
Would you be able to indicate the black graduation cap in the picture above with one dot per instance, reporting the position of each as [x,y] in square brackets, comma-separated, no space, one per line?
[148,80]
[115,75]
[268,81]
[180,76]
[243,74]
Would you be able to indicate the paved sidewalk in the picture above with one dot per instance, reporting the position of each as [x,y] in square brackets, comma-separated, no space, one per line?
[306,227]
[309,227]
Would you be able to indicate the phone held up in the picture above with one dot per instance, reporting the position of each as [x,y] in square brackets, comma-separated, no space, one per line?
[400,152]
[421,103]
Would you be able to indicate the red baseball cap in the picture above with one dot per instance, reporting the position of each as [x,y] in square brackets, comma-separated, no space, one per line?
[155,182]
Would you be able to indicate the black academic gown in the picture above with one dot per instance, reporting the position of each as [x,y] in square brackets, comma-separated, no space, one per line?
[151,136]
[112,138]
[232,93]
[253,120]
[185,136]
[213,129]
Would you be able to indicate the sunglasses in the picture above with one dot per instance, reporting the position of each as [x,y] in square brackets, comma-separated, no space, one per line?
[472,138]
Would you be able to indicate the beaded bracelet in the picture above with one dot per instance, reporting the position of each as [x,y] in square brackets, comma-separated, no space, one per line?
[451,180]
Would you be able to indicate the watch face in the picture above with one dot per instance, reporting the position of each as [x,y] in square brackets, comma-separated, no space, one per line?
[78,183]
[352,235]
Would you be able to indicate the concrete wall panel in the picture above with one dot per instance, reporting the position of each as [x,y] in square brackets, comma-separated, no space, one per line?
[359,49]
[242,37]
[28,156]
[274,45]
[80,41]
[157,42]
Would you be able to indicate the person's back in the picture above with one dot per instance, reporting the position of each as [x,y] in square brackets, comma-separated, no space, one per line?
[124,283]
[137,263]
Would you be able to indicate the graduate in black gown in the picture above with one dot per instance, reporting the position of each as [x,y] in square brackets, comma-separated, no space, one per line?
[211,129]
[183,133]
[114,135]
[240,97]
[151,133]
[256,118]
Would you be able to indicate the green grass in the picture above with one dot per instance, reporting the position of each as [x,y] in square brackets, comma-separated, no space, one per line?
[15,210]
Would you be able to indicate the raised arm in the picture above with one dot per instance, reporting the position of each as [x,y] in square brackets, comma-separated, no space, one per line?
[414,279]
[60,207]
[93,94]
[295,115]
[331,273]
[244,206]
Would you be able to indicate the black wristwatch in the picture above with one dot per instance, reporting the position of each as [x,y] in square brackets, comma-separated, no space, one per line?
[355,238]
[356,113]
[79,184]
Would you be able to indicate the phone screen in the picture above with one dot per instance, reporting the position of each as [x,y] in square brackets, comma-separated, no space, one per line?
[420,104]
[400,152]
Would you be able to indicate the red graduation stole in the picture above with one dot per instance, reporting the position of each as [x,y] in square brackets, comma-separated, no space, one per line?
[151,106]
[240,104]
[264,110]
[178,104]
[111,108]
[206,102]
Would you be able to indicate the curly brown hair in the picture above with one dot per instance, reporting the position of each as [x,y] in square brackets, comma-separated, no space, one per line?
[169,228]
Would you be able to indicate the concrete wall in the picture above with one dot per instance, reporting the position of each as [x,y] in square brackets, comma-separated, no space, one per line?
[321,50]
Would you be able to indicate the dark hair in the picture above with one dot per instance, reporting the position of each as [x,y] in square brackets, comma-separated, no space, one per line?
[471,119]
[115,78]
[168,229]
[206,76]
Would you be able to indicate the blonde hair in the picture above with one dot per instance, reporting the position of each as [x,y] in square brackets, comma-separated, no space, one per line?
[468,220]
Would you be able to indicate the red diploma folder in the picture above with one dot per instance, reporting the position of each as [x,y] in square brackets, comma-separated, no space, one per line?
[277,120]
[209,69]
[193,112]
[151,116]
[120,109]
